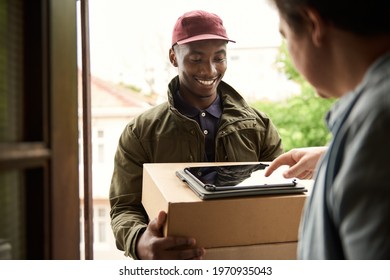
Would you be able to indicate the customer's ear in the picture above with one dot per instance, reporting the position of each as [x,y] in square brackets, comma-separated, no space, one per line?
[172,57]
[316,26]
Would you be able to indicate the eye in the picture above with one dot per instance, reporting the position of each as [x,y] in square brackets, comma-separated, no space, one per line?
[220,59]
[195,58]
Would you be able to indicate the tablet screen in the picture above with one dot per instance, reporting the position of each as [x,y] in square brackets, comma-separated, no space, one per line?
[243,176]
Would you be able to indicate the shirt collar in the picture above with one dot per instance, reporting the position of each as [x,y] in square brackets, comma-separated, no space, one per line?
[215,109]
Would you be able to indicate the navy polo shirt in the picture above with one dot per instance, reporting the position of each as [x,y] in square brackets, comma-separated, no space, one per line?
[208,120]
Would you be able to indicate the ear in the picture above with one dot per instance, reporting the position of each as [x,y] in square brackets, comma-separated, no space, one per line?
[172,57]
[317,26]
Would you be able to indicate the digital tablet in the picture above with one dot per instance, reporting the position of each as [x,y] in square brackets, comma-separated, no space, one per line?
[217,181]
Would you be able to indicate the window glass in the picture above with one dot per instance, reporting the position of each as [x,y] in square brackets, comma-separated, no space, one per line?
[11,70]
[12,210]
[12,215]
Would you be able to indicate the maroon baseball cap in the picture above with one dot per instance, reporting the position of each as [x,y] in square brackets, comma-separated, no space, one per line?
[198,25]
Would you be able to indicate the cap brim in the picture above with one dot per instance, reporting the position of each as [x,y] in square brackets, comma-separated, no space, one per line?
[203,37]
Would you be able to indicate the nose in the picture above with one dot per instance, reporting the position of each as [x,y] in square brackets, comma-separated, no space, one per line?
[208,68]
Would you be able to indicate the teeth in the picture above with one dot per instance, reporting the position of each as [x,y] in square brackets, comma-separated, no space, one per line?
[207,83]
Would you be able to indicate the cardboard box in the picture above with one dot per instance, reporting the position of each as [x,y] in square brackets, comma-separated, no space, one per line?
[271,251]
[222,222]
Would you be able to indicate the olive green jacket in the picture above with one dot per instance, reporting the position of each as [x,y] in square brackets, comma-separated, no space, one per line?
[163,135]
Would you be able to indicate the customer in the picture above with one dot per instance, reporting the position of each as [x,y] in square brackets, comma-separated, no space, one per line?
[204,119]
[343,49]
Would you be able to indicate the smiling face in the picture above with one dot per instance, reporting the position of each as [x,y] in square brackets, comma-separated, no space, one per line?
[201,67]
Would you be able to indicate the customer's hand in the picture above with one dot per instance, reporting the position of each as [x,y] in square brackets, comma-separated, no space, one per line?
[152,245]
[302,162]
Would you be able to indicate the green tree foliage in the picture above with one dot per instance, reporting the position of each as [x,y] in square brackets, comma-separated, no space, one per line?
[300,119]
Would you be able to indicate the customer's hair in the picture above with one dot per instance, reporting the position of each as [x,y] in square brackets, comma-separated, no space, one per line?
[363,17]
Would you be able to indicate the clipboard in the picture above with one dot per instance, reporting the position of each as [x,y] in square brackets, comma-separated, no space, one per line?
[220,181]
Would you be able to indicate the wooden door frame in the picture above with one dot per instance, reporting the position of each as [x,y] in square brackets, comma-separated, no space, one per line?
[47,151]
[64,177]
